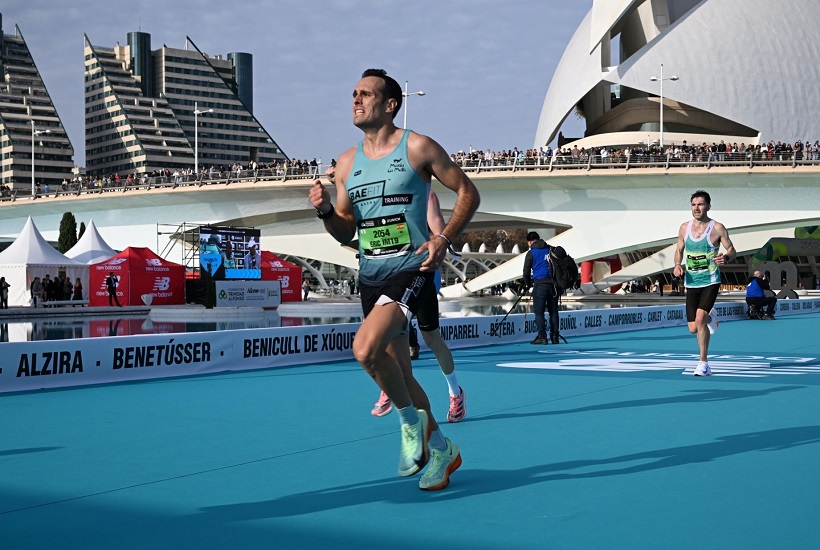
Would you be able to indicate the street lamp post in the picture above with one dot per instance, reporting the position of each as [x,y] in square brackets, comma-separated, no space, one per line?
[407,94]
[197,112]
[34,133]
[661,79]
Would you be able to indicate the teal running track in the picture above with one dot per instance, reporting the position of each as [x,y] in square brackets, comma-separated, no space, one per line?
[607,441]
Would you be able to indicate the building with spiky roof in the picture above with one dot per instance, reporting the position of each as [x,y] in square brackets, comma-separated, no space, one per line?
[33,141]
[743,71]
[142,106]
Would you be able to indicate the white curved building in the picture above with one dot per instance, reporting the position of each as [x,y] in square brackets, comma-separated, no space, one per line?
[746,73]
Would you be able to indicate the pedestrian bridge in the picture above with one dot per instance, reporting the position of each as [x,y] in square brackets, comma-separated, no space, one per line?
[598,210]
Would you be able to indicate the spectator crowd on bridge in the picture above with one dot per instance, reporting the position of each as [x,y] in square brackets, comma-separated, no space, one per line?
[682,153]
[208,172]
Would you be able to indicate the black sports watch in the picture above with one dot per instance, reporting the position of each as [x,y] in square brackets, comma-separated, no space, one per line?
[327,215]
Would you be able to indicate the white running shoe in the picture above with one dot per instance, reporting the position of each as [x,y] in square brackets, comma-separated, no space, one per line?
[702,369]
[714,324]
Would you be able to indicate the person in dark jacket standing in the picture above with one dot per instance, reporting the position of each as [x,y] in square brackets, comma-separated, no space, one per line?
[4,293]
[111,283]
[538,275]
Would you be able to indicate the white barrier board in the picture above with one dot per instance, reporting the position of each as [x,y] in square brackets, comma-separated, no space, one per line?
[64,363]
[248,293]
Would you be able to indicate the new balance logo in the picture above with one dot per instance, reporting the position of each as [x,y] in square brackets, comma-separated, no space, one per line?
[162,283]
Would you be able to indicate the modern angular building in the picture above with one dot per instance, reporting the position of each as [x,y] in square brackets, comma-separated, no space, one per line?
[33,142]
[141,106]
[736,70]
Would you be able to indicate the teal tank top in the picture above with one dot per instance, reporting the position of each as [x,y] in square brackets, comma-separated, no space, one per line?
[390,205]
[699,257]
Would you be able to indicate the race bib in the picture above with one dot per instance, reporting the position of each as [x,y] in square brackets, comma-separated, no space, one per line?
[697,263]
[384,237]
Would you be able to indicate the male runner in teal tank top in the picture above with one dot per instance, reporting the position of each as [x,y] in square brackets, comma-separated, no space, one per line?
[428,321]
[698,251]
[382,187]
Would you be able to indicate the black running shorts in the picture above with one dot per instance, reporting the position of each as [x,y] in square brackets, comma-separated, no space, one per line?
[700,298]
[409,289]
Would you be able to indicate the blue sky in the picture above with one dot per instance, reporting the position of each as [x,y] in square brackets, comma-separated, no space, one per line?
[484,66]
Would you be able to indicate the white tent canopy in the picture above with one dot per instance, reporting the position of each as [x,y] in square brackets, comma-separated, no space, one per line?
[91,248]
[31,256]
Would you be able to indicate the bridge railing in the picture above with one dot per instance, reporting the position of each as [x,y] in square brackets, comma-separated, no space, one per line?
[634,161]
[670,162]
[8,195]
[165,182]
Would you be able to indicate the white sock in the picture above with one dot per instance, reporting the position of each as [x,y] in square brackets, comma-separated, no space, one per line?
[452,383]
[713,324]
[408,415]
[437,440]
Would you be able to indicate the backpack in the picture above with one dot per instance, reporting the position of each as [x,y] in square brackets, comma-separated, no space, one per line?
[564,269]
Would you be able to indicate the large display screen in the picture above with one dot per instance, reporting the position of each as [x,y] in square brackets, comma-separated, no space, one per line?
[230,252]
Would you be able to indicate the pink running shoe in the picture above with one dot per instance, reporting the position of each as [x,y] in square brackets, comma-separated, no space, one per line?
[458,409]
[383,406]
